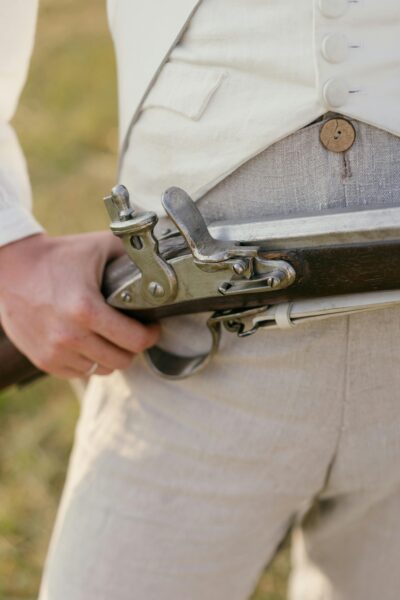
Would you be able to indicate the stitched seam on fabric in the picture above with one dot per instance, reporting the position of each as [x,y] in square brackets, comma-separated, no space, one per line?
[315,498]
[345,398]
[125,142]
[172,99]
[210,94]
[347,166]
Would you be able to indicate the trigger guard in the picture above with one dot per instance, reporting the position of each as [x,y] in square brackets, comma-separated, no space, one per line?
[175,366]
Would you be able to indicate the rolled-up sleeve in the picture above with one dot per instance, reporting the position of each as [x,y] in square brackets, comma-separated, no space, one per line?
[18,24]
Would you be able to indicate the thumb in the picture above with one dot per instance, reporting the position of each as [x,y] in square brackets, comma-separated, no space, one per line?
[110,245]
[115,247]
[107,248]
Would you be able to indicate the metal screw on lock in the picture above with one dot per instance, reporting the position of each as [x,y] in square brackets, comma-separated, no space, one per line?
[273,282]
[156,289]
[126,297]
[240,267]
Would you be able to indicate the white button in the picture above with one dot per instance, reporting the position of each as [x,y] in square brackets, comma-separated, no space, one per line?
[333,8]
[335,93]
[335,47]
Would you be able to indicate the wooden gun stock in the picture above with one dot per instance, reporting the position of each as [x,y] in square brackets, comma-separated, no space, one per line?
[15,368]
[335,270]
[232,267]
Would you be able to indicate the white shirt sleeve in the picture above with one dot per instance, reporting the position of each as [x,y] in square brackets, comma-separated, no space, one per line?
[18,23]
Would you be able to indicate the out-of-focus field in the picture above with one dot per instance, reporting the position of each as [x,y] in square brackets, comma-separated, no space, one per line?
[67,125]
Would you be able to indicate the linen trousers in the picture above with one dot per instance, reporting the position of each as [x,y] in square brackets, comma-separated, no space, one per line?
[183,490]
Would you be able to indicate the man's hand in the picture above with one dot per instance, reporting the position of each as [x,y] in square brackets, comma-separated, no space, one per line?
[52,309]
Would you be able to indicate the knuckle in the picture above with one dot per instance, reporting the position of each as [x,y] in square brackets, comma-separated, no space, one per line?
[137,337]
[140,344]
[45,362]
[62,339]
[144,338]
[82,310]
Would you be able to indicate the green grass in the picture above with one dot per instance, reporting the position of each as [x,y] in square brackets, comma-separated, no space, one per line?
[36,427]
[68,128]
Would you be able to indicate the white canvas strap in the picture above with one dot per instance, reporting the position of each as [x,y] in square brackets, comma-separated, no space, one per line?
[290,314]
[282,316]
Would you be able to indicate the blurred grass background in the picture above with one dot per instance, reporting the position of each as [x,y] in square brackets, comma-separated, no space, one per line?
[67,124]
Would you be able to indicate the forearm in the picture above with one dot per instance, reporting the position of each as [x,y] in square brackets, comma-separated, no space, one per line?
[18,20]
[16,220]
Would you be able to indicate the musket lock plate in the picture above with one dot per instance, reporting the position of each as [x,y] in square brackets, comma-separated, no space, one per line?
[136,230]
[250,273]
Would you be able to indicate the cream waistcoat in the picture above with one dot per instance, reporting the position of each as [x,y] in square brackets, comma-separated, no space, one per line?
[244,74]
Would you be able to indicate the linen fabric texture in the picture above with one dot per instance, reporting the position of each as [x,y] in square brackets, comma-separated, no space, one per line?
[245,74]
[208,84]
[184,489]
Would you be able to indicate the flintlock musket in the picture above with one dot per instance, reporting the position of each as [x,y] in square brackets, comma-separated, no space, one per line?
[276,272]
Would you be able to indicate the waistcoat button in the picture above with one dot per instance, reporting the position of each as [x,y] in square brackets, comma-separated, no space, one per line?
[337,135]
[335,47]
[333,8]
[335,93]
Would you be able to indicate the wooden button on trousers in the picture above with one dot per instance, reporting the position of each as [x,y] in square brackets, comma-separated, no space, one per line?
[337,135]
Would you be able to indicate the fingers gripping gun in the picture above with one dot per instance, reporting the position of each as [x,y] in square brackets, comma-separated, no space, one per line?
[258,274]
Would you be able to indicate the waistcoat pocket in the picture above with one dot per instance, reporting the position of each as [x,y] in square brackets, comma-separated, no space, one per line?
[185,89]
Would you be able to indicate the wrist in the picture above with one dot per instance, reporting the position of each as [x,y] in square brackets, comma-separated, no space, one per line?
[16,257]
